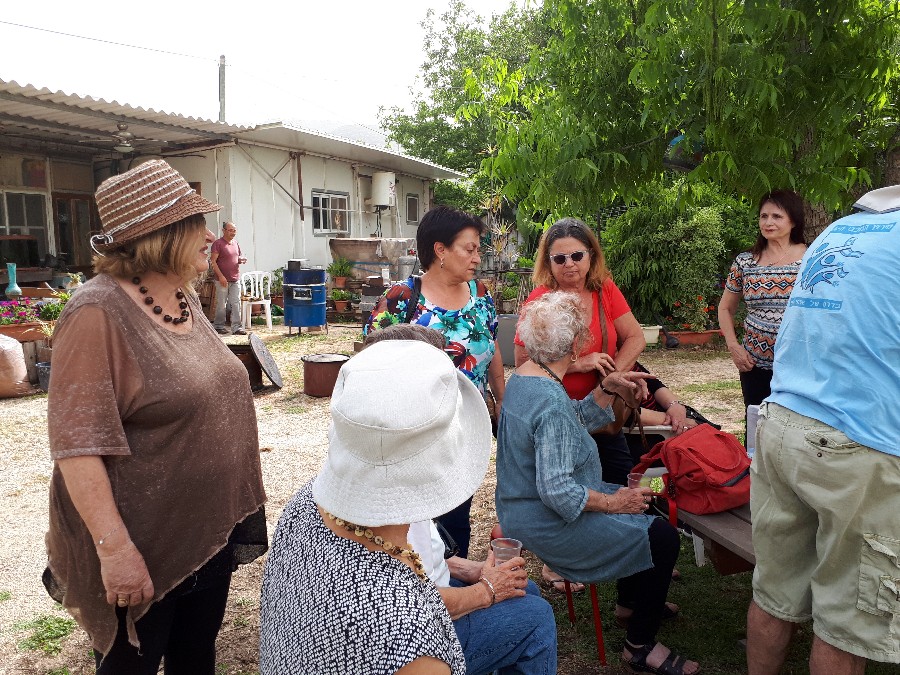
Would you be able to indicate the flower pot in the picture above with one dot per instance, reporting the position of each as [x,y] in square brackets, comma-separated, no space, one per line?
[278,301]
[339,282]
[651,334]
[24,332]
[692,337]
[341,305]
[43,372]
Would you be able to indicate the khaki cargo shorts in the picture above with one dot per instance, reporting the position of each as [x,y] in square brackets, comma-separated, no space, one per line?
[826,532]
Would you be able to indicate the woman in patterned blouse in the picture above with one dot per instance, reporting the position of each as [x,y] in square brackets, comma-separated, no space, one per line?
[764,277]
[454,303]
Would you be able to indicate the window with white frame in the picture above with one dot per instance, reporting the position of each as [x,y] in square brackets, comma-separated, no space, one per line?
[331,212]
[412,208]
[25,213]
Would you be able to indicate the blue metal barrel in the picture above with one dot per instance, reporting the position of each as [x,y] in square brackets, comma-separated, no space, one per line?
[304,305]
[304,277]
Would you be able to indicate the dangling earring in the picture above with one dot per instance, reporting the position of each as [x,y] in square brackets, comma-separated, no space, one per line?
[574,358]
[442,263]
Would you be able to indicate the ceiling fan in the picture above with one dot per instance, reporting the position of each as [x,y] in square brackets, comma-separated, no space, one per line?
[123,139]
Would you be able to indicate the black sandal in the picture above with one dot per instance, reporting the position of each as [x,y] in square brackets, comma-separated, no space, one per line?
[672,665]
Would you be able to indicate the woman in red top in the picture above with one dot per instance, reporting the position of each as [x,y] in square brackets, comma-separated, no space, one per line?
[569,258]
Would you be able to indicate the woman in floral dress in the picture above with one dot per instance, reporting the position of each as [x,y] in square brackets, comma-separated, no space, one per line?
[450,300]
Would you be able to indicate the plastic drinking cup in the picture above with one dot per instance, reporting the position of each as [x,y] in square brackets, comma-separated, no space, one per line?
[505,549]
[638,480]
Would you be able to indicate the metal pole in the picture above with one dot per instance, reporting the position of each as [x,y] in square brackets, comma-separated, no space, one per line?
[222,88]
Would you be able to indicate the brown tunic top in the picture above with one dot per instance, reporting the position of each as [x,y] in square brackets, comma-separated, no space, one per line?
[173,417]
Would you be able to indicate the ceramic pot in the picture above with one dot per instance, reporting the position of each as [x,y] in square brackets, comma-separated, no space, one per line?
[691,337]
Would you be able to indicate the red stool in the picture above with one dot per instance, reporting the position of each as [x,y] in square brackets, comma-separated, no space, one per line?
[497,532]
[598,624]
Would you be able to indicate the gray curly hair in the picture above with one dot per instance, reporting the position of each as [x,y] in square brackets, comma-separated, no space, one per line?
[554,326]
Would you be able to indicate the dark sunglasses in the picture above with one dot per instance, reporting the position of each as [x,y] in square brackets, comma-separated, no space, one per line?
[576,256]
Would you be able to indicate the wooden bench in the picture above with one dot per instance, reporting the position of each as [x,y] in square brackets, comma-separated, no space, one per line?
[726,537]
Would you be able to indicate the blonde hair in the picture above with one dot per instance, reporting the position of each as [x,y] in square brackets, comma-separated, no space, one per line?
[554,326]
[172,248]
[577,229]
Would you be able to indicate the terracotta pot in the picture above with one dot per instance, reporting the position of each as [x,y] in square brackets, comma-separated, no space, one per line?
[278,300]
[691,337]
[341,305]
[24,332]
[339,282]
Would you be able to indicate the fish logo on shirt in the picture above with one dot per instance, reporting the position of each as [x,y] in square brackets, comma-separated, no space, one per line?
[824,265]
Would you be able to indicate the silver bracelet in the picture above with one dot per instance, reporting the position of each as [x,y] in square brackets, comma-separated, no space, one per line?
[483,579]
[106,536]
[671,404]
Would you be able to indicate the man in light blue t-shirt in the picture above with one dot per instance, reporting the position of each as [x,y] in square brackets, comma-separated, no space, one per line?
[825,489]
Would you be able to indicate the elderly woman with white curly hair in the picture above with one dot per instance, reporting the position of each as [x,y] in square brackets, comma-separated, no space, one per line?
[550,491]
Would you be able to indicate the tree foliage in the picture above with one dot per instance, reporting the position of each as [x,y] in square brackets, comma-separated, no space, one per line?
[670,252]
[780,93]
[455,42]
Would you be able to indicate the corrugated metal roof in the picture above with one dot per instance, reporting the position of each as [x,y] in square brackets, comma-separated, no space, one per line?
[75,121]
[81,125]
[294,137]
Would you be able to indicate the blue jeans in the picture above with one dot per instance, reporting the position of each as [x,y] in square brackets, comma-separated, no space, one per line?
[514,636]
[231,295]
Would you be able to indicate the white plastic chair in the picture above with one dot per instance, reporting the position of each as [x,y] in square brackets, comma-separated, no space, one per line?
[256,289]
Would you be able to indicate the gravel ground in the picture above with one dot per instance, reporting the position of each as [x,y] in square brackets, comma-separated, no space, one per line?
[293,442]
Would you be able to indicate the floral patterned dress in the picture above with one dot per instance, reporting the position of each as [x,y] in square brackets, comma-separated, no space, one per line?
[469,332]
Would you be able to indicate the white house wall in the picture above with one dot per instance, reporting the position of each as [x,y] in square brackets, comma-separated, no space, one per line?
[270,228]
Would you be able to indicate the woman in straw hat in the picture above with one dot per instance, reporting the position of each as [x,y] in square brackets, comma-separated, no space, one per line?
[153,500]
[552,493]
[343,590]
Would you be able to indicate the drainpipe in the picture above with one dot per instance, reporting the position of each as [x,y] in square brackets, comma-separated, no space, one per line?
[222,88]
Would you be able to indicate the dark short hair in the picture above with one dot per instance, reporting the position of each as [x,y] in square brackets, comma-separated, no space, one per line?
[407,331]
[792,203]
[442,224]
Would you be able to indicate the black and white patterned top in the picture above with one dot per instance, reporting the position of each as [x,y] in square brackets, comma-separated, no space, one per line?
[331,606]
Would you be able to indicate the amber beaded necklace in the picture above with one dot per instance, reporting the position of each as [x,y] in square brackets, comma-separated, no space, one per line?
[168,318]
[378,540]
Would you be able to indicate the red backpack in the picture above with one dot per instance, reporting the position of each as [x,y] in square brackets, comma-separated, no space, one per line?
[709,470]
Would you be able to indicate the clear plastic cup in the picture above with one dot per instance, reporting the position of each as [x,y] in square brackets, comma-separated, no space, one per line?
[505,549]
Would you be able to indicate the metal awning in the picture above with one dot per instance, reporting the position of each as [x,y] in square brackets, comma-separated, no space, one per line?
[40,120]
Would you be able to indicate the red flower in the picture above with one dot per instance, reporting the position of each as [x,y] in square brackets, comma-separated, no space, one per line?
[678,304]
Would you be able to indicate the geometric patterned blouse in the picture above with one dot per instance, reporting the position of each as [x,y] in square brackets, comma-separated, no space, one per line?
[765,290]
[330,606]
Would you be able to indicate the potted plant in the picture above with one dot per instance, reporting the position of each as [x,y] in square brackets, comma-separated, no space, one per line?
[508,296]
[339,270]
[340,298]
[19,319]
[277,291]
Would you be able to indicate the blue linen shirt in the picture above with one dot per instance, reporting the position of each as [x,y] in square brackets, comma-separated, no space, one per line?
[546,463]
[837,357]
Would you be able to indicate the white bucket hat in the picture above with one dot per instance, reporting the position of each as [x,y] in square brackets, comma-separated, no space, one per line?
[410,437]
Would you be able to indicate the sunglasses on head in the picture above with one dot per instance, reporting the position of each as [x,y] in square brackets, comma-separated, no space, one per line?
[576,256]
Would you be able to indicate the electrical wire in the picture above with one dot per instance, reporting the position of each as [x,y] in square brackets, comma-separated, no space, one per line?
[110,42]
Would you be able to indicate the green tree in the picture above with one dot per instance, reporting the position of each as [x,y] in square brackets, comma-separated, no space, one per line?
[455,42]
[798,93]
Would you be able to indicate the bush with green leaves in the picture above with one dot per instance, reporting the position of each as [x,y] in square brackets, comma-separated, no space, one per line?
[670,252]
[341,294]
[277,281]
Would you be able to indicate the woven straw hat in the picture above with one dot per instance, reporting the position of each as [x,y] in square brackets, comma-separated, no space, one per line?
[142,200]
[410,437]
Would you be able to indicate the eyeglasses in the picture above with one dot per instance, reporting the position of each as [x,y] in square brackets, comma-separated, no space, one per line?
[576,256]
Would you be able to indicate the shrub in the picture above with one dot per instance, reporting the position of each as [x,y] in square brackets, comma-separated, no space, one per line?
[668,254]
[340,267]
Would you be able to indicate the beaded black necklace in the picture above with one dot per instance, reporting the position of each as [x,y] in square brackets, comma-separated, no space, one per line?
[549,372]
[389,548]
[168,318]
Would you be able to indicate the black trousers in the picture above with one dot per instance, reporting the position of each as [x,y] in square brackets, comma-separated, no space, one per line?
[615,457]
[457,524]
[645,592]
[756,384]
[182,627]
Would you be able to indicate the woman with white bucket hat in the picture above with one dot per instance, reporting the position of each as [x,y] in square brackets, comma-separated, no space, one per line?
[343,591]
